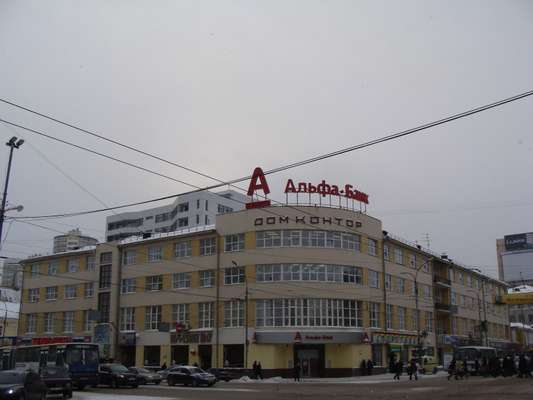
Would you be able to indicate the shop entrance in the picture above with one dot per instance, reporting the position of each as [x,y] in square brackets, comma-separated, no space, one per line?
[204,354]
[180,355]
[311,358]
[234,355]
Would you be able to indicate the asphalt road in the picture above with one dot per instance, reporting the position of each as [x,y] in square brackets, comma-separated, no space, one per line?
[475,388]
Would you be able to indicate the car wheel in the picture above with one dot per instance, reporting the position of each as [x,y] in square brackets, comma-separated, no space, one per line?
[170,382]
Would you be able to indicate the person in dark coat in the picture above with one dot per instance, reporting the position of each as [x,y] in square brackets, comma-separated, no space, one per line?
[164,366]
[362,367]
[259,370]
[369,367]
[297,370]
[522,367]
[254,370]
[476,367]
[398,370]
[413,369]
[451,368]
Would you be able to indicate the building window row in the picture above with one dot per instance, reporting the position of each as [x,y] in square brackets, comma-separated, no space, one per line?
[309,272]
[52,269]
[308,238]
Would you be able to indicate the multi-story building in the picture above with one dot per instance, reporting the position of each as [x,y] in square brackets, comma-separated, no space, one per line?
[189,210]
[322,285]
[72,240]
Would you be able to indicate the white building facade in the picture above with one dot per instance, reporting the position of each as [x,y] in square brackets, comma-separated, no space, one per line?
[190,210]
[72,240]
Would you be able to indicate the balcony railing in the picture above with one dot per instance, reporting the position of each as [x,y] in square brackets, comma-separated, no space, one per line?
[440,280]
[442,307]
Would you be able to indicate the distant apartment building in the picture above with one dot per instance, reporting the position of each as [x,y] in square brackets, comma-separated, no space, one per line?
[11,273]
[190,210]
[72,240]
[515,258]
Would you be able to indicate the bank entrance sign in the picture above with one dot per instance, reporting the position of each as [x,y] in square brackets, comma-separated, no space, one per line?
[322,190]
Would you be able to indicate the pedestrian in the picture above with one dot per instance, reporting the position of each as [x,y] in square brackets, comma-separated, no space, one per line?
[362,367]
[254,370]
[369,367]
[259,370]
[451,368]
[413,369]
[530,365]
[297,368]
[164,366]
[398,370]
[476,366]
[522,367]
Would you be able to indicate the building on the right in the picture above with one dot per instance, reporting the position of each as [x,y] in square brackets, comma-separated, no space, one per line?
[515,258]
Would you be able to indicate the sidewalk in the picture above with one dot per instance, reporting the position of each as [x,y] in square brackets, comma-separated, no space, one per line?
[373,379]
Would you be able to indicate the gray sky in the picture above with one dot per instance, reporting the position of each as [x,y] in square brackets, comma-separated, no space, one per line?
[223,86]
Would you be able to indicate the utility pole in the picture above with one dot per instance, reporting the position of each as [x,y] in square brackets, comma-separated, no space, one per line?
[13,144]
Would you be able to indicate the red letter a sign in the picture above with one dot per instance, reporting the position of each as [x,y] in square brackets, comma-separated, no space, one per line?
[258,175]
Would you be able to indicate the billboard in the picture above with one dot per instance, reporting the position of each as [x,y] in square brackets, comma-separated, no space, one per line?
[518,241]
[518,265]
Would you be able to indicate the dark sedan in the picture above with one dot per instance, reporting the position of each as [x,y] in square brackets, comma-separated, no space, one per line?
[116,375]
[145,377]
[188,375]
[20,384]
[57,380]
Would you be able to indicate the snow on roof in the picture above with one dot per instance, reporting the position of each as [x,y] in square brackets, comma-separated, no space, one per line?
[520,289]
[181,232]
[62,253]
[521,325]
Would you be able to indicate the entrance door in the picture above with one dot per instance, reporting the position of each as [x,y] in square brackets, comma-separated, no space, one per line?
[311,358]
[180,355]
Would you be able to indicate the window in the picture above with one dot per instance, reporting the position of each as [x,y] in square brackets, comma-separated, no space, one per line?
[388,282]
[469,280]
[373,279]
[104,306]
[427,291]
[233,313]
[461,278]
[88,289]
[106,258]
[183,207]
[184,221]
[181,280]
[127,319]
[51,293]
[53,267]
[197,219]
[429,321]
[49,322]
[34,272]
[374,315]
[73,265]
[33,295]
[70,292]
[91,263]
[389,316]
[129,257]
[224,209]
[416,318]
[155,253]
[205,315]
[154,283]
[208,246]
[453,298]
[372,247]
[412,260]
[68,321]
[268,239]
[31,323]
[233,275]
[398,256]
[128,285]
[207,205]
[206,220]
[183,249]
[386,254]
[180,314]
[451,274]
[401,318]
[234,242]
[207,278]
[197,204]
[401,285]
[105,276]
[309,312]
[87,321]
[426,266]
[152,317]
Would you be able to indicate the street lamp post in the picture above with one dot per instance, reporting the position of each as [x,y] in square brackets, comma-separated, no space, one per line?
[13,144]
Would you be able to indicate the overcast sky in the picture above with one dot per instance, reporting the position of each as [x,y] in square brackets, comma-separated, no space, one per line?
[224,86]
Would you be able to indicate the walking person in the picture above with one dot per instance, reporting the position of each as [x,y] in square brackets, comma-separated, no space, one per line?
[413,369]
[369,367]
[398,370]
[259,370]
[362,367]
[522,367]
[451,368]
[254,370]
[297,370]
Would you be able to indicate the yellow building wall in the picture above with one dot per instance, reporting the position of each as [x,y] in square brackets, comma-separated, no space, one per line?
[139,356]
[139,321]
[249,241]
[165,355]
[195,248]
[270,355]
[346,355]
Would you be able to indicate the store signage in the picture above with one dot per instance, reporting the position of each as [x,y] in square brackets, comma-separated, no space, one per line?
[258,182]
[349,223]
[519,241]
[288,337]
[324,189]
[191,337]
[386,337]
[59,339]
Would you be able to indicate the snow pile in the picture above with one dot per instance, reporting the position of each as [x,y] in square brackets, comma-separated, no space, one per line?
[244,379]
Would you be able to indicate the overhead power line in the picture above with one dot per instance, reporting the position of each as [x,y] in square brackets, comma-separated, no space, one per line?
[271,171]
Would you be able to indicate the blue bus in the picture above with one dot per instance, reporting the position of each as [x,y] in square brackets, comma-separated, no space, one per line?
[81,359]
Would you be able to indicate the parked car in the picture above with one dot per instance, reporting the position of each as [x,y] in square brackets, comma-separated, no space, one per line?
[145,376]
[21,384]
[189,375]
[226,374]
[116,375]
[57,380]
[165,372]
